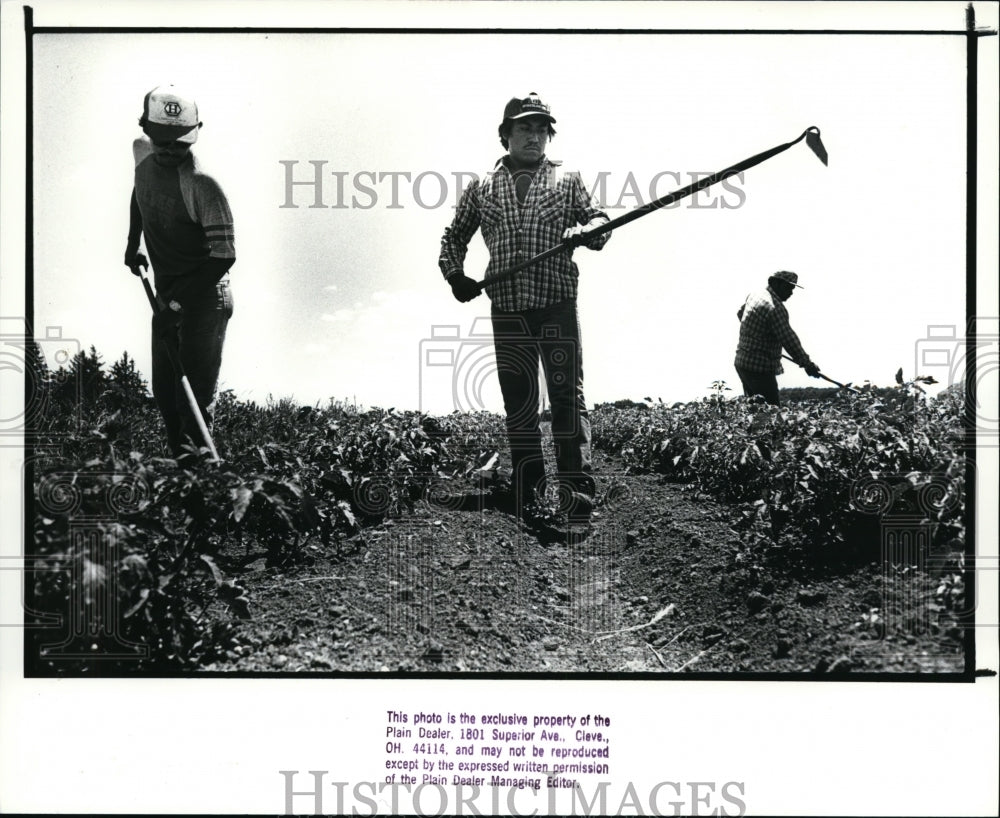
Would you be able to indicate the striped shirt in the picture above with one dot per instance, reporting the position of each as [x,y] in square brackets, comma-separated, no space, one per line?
[514,232]
[764,331]
[185,217]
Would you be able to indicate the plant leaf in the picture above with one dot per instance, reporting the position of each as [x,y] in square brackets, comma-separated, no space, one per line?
[241,607]
[241,501]
[143,596]
[217,574]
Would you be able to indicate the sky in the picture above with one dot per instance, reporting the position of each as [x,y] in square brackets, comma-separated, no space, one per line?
[343,301]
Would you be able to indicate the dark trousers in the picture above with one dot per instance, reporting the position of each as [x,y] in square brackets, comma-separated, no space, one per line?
[760,383]
[522,339]
[198,338]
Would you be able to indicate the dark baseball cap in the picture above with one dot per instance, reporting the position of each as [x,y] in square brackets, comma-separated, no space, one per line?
[531,105]
[787,277]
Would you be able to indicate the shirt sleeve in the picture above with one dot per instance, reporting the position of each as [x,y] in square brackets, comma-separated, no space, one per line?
[786,335]
[134,224]
[456,238]
[211,211]
[586,210]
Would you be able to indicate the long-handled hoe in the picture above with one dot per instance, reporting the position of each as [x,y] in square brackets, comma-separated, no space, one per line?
[846,386]
[811,136]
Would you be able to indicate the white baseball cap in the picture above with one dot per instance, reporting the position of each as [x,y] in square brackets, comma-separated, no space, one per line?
[169,115]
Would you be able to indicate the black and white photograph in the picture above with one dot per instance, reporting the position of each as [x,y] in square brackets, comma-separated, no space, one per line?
[521,391]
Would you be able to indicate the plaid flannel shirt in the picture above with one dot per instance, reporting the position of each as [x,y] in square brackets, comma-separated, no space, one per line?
[514,232]
[763,332]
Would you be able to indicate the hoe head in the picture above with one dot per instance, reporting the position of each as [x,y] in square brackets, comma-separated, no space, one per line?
[816,144]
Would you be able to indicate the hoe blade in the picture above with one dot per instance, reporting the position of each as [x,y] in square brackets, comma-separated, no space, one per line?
[816,144]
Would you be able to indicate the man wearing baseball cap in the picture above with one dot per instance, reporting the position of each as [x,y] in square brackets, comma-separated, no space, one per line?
[185,219]
[764,331]
[524,206]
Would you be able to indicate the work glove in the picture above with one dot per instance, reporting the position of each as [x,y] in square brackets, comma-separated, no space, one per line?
[812,370]
[165,321]
[134,260]
[463,287]
[577,235]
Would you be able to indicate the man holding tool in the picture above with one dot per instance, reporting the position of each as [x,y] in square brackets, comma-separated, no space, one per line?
[524,207]
[188,229]
[764,331]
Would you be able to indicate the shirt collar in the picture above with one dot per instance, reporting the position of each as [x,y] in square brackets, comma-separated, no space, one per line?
[543,162]
[774,296]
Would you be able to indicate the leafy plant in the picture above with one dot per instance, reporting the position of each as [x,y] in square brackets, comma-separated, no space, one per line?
[800,471]
[139,556]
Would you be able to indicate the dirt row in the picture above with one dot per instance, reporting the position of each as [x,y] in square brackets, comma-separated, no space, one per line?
[660,584]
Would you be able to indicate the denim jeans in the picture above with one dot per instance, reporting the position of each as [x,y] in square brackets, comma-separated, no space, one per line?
[760,383]
[521,339]
[198,338]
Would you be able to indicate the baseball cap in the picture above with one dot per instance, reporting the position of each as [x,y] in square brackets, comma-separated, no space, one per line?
[531,105]
[169,115]
[790,278]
